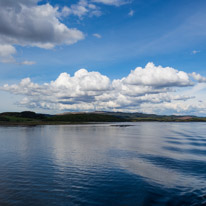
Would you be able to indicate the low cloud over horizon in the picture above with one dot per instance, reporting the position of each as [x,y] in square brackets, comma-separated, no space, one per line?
[153,89]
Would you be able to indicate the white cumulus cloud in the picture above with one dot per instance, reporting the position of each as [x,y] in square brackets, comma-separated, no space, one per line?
[98,36]
[26,23]
[198,77]
[195,51]
[158,77]
[26,62]
[82,8]
[112,2]
[131,13]
[6,52]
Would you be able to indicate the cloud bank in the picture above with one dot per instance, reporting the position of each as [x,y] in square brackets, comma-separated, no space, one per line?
[145,89]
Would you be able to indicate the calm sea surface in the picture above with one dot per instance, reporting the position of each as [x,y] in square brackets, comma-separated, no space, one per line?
[145,164]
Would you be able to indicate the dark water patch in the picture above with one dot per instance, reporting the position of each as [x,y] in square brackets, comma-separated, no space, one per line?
[190,143]
[183,134]
[173,138]
[175,142]
[190,136]
[186,167]
[198,144]
[186,151]
[197,139]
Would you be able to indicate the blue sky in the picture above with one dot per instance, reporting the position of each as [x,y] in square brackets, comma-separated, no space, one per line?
[113,37]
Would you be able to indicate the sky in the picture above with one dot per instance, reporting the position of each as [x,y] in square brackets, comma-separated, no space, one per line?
[103,55]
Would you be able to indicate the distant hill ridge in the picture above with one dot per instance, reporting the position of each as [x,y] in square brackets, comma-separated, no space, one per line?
[29,117]
[134,114]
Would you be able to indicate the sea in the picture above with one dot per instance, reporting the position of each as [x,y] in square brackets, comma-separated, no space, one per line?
[117,164]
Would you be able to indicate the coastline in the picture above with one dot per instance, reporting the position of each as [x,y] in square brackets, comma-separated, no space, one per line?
[84,123]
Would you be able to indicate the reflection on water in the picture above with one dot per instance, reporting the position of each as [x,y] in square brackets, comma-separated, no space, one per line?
[145,164]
